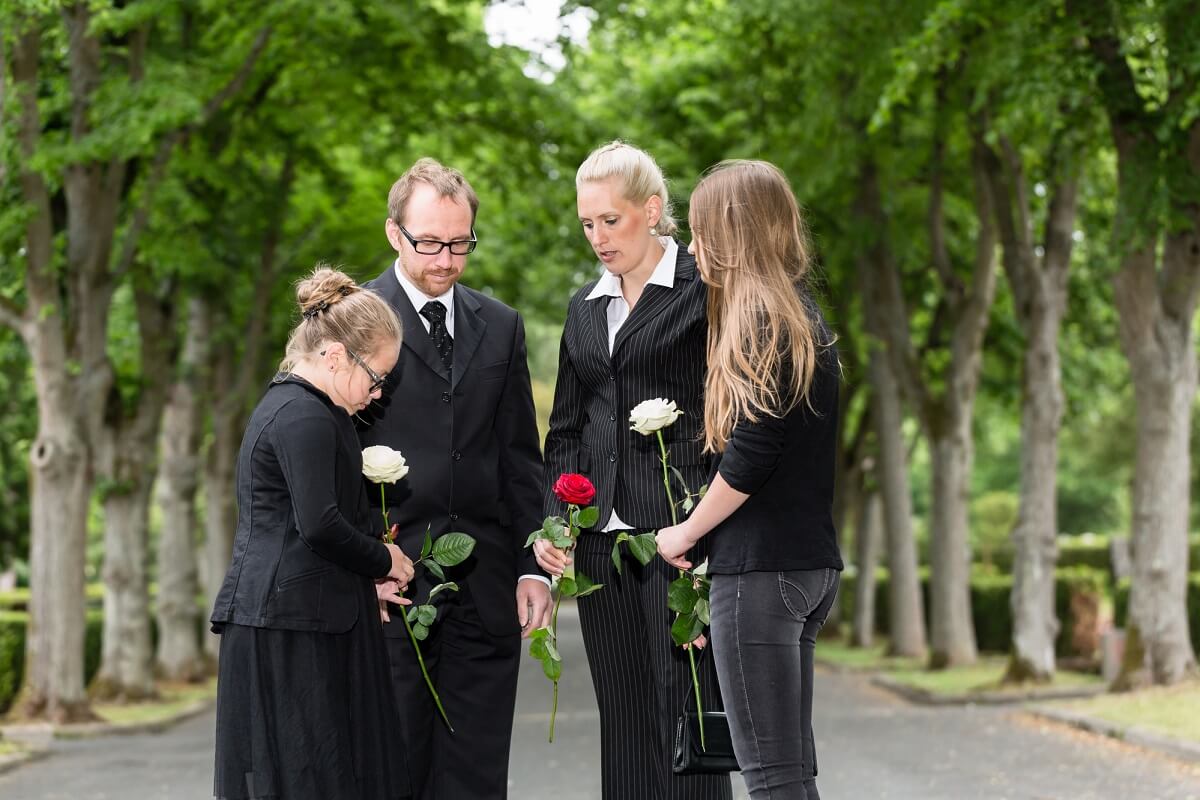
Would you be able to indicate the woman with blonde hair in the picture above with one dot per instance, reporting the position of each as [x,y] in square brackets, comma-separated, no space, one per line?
[770,416]
[304,699]
[637,332]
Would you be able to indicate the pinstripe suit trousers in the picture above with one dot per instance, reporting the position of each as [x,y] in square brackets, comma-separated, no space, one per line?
[641,678]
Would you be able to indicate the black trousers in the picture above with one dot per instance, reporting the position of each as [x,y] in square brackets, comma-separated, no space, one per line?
[640,676]
[476,676]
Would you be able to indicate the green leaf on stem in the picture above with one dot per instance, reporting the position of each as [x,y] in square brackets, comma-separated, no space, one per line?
[452,549]
[533,537]
[682,596]
[538,648]
[588,517]
[616,551]
[411,614]
[686,629]
[420,632]
[435,568]
[552,668]
[552,650]
[564,542]
[702,611]
[585,585]
[567,586]
[426,615]
[644,547]
[688,504]
[427,544]
[443,587]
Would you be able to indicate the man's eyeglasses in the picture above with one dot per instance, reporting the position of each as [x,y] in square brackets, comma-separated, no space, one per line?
[377,380]
[431,247]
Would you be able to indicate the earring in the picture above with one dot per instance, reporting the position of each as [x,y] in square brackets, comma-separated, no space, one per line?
[654,230]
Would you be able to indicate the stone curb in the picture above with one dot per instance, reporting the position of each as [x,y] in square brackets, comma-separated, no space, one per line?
[1175,748]
[41,733]
[925,697]
[13,760]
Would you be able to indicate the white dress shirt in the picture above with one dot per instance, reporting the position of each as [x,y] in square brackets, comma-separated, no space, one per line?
[609,286]
[419,299]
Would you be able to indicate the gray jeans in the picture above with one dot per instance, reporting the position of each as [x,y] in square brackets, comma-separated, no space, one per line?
[764,631]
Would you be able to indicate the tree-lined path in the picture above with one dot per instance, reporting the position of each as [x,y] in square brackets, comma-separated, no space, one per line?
[871,745]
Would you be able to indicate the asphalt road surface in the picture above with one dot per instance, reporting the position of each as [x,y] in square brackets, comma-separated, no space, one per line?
[871,745]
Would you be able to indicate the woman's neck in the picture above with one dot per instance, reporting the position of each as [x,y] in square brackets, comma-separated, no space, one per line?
[634,281]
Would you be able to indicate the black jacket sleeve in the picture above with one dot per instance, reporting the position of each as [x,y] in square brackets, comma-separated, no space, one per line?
[305,444]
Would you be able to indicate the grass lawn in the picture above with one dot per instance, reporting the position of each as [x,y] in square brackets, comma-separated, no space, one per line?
[983,676]
[174,697]
[8,748]
[1172,711]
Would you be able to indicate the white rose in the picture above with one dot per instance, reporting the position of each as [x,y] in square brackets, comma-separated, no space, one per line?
[383,464]
[650,416]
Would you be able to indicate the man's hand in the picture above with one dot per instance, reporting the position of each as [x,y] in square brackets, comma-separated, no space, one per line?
[533,605]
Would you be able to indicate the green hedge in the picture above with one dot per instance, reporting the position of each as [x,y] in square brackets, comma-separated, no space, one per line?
[1085,550]
[13,625]
[1121,605]
[990,598]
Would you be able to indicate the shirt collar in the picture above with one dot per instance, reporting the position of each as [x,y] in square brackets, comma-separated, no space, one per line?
[419,298]
[609,285]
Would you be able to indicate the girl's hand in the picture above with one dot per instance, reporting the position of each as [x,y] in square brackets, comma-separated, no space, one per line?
[388,591]
[673,542]
[550,558]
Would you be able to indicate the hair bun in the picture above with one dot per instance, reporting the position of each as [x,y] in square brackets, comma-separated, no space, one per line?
[324,287]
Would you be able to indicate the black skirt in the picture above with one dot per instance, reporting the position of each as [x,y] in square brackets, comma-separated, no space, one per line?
[308,715]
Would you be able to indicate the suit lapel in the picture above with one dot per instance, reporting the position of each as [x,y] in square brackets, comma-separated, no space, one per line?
[416,338]
[655,299]
[469,328]
[598,311]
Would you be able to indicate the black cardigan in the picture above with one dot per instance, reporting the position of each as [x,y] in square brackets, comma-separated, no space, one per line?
[786,465]
[305,535]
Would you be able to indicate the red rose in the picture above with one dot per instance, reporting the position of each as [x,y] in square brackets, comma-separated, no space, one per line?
[572,488]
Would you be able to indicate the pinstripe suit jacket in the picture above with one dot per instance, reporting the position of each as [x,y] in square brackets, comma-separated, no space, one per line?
[658,352]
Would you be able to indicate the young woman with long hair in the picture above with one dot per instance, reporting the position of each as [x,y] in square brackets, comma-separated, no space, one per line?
[770,416]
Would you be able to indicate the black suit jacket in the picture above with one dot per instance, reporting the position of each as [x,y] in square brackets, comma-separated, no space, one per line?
[471,443]
[304,534]
[658,352]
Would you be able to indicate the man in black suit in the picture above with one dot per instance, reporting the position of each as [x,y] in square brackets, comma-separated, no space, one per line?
[459,407]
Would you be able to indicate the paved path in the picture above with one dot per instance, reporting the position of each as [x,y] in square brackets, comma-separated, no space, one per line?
[872,746]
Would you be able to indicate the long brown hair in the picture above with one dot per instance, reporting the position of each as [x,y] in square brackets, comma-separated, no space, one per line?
[753,252]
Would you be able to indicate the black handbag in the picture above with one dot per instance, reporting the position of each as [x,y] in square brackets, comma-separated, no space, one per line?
[717,754]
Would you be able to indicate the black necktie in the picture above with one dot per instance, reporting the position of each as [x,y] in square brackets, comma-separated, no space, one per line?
[435,312]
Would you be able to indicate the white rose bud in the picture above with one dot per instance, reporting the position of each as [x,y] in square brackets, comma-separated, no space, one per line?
[383,464]
[650,416]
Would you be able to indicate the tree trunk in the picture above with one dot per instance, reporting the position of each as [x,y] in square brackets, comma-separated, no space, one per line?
[867,535]
[179,656]
[952,631]
[220,516]
[1035,624]
[126,463]
[59,489]
[906,617]
[126,664]
[1164,385]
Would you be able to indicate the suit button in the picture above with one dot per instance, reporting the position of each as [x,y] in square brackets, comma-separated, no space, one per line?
[457,456]
[445,397]
[612,417]
[612,377]
[454,517]
[612,457]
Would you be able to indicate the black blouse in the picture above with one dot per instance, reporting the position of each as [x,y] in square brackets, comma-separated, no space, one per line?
[786,465]
[305,534]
